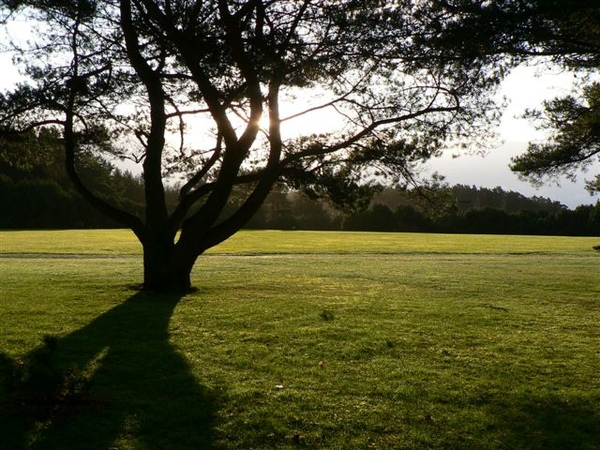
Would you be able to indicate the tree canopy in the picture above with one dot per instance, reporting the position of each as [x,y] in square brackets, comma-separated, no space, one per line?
[138,79]
[574,142]
[561,33]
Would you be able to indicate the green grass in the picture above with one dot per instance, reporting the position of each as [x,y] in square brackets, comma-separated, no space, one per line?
[309,340]
[123,242]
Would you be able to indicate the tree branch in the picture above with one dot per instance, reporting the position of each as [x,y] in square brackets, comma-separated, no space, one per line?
[70,145]
[364,132]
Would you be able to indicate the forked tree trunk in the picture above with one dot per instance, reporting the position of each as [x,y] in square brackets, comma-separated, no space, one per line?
[167,270]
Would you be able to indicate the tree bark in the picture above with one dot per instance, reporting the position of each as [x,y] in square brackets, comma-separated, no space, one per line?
[167,269]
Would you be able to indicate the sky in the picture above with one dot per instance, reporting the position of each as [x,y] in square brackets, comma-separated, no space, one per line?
[523,88]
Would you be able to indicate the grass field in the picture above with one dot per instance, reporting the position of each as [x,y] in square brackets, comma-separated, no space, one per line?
[300,340]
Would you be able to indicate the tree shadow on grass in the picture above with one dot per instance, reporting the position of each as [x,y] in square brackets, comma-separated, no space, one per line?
[547,423]
[117,382]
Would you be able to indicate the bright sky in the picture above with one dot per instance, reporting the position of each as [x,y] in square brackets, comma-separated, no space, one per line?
[522,88]
[525,88]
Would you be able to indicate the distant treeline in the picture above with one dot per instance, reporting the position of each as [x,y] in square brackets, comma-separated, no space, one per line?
[583,221]
[35,192]
[456,209]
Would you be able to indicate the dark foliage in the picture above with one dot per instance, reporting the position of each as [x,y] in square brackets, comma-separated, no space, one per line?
[35,190]
[563,33]
[131,79]
[45,200]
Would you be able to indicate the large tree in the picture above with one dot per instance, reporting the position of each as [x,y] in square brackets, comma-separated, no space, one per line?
[139,79]
[554,33]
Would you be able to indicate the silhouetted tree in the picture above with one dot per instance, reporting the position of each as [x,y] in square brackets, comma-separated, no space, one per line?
[559,32]
[136,78]
[574,144]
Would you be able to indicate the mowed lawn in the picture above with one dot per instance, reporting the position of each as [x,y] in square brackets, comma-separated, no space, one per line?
[302,340]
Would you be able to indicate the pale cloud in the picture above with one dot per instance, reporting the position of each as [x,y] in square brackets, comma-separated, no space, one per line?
[525,88]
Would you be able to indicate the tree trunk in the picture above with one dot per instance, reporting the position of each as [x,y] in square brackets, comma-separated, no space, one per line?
[167,270]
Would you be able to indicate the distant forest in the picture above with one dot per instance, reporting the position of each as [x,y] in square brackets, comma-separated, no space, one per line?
[453,209]
[35,193]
